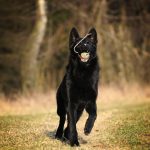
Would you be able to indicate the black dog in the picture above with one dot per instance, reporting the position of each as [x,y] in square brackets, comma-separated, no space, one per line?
[79,87]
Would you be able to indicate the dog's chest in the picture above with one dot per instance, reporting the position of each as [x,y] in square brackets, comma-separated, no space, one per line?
[82,78]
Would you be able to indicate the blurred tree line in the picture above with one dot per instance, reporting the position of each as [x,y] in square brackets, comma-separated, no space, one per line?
[34,41]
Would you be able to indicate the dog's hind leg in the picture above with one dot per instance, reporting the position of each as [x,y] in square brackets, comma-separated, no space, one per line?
[62,114]
[91,109]
[60,128]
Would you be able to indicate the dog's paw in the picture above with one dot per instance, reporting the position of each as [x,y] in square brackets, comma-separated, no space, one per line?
[87,131]
[74,140]
[74,143]
[58,136]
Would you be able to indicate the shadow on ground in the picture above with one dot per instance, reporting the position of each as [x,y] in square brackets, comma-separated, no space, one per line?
[51,135]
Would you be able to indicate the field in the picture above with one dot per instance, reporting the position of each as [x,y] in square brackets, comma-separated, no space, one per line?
[123,122]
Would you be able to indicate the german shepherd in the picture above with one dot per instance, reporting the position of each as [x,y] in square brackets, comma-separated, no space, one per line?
[79,87]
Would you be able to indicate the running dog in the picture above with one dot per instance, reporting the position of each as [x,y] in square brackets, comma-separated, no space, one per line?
[79,87]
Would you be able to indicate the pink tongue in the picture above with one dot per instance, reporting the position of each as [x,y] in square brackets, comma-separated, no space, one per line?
[84,59]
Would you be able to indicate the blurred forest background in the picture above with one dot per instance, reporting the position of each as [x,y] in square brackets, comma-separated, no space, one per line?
[34,41]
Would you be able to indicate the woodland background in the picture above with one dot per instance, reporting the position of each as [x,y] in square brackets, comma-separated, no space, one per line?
[34,41]
[34,52]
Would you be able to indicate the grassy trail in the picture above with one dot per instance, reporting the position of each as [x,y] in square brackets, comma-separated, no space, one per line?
[121,124]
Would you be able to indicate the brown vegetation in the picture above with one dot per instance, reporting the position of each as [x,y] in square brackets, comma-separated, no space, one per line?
[33,57]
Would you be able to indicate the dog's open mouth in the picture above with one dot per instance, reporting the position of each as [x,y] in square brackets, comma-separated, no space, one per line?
[84,57]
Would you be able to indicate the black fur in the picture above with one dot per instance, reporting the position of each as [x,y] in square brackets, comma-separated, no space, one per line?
[79,88]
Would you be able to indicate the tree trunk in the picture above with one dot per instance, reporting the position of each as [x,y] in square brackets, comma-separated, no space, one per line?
[29,55]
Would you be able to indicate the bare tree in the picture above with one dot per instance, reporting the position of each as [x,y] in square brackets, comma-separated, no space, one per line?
[29,55]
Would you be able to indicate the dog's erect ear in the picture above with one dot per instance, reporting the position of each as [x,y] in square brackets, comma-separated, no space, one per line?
[73,36]
[93,35]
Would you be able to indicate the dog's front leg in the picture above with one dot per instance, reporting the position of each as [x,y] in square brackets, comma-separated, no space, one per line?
[92,111]
[72,114]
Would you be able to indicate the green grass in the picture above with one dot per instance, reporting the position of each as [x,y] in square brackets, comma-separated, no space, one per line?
[120,125]
[132,127]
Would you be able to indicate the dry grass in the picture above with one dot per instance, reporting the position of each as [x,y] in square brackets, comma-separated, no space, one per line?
[37,103]
[122,123]
[40,103]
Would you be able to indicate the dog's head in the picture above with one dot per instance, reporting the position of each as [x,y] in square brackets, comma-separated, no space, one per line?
[84,49]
